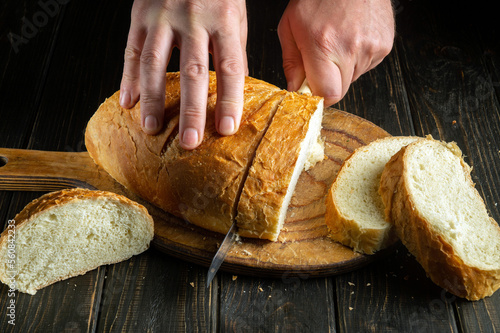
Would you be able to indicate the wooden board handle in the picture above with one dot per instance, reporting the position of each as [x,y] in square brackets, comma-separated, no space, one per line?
[34,170]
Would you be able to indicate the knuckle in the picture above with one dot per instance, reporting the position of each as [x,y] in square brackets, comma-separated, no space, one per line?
[231,66]
[193,8]
[327,43]
[229,106]
[151,58]
[386,46]
[132,54]
[359,43]
[194,70]
[322,38]
[290,64]
[227,19]
[378,47]
[150,98]
[228,16]
[192,113]
[354,45]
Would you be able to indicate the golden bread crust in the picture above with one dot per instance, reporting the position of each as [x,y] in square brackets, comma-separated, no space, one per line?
[432,251]
[270,174]
[200,185]
[347,231]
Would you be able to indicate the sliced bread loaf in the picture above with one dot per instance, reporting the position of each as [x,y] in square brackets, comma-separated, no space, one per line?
[69,232]
[258,165]
[199,185]
[440,217]
[354,209]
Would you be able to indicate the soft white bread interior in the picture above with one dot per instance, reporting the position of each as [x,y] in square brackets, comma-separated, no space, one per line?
[441,218]
[69,232]
[354,208]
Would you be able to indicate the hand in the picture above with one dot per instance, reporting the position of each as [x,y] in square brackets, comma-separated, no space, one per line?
[333,42]
[197,28]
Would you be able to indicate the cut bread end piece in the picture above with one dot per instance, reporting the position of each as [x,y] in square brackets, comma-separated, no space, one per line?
[441,218]
[69,232]
[292,143]
[354,208]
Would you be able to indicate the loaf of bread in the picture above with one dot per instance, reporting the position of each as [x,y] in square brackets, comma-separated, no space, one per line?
[69,232]
[279,132]
[354,209]
[440,217]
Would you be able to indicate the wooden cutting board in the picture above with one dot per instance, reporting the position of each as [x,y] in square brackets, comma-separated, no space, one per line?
[303,246]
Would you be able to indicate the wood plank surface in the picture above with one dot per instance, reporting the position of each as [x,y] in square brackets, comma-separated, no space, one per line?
[445,67]
[454,98]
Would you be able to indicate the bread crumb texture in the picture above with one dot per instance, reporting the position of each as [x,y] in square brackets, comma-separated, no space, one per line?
[441,218]
[442,191]
[355,211]
[67,233]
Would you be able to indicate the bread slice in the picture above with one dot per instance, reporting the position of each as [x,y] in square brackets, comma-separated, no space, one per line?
[441,218]
[354,208]
[202,186]
[69,232]
[291,144]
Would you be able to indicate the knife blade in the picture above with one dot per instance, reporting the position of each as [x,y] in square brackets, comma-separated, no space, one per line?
[221,253]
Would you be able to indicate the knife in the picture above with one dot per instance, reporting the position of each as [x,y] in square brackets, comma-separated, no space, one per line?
[230,238]
[219,257]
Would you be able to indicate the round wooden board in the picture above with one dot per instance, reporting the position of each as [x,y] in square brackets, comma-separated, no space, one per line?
[303,246]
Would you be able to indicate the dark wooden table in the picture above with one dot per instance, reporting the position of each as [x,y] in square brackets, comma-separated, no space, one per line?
[58,63]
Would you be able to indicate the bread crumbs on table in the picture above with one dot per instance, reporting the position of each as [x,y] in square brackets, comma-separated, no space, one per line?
[350,283]
[351,308]
[191,284]
[260,288]
[235,277]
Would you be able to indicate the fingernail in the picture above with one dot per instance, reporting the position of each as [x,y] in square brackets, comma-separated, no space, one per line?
[151,123]
[226,125]
[125,99]
[190,137]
